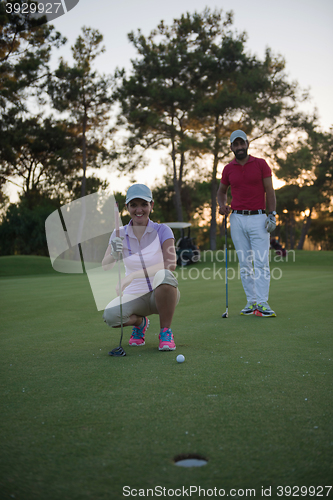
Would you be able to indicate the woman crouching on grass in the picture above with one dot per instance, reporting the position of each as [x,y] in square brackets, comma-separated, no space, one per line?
[149,286]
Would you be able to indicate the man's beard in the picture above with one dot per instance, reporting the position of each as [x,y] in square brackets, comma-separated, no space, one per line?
[241,154]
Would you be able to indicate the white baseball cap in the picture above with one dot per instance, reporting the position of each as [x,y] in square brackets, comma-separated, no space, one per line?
[139,191]
[238,134]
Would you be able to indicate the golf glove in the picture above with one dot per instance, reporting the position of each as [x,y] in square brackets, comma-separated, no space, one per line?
[270,223]
[116,247]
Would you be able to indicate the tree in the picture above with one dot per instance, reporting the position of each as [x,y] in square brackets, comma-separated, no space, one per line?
[22,229]
[39,155]
[192,85]
[287,208]
[25,49]
[85,96]
[321,231]
[308,170]
[195,197]
[239,91]
[157,97]
[36,153]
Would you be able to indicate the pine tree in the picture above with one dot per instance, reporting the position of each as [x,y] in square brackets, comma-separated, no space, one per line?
[84,95]
[192,84]
[308,172]
[25,49]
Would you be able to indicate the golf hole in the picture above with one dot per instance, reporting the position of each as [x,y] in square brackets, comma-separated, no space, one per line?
[190,460]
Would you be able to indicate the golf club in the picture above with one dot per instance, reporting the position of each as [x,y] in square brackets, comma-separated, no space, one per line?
[225,315]
[118,351]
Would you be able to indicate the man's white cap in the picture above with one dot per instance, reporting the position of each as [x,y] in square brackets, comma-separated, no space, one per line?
[139,191]
[238,134]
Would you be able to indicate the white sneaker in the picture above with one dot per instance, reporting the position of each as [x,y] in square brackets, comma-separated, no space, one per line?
[250,308]
[264,310]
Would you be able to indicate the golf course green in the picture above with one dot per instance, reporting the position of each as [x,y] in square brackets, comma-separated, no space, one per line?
[253,397]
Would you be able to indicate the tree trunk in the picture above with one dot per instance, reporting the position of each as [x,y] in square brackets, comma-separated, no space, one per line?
[84,156]
[292,231]
[278,231]
[305,230]
[214,188]
[176,185]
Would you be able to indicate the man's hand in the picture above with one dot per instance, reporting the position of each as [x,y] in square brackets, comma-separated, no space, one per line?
[116,247]
[224,209]
[270,223]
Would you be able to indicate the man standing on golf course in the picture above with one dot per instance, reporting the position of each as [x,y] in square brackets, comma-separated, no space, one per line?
[251,185]
[149,286]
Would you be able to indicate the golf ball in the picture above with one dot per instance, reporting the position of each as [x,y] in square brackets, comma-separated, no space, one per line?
[180,358]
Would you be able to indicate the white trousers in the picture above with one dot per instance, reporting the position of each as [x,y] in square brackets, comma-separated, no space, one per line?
[251,241]
[143,305]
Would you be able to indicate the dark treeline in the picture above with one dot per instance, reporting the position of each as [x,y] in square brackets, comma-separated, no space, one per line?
[191,84]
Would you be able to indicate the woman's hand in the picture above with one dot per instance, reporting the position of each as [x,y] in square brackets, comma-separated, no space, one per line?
[124,283]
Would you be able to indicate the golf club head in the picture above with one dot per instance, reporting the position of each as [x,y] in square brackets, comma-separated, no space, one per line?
[225,315]
[117,351]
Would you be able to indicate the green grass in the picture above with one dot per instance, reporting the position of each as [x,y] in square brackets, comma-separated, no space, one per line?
[25,265]
[254,395]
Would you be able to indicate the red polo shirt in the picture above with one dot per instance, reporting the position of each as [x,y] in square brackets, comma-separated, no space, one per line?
[246,182]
